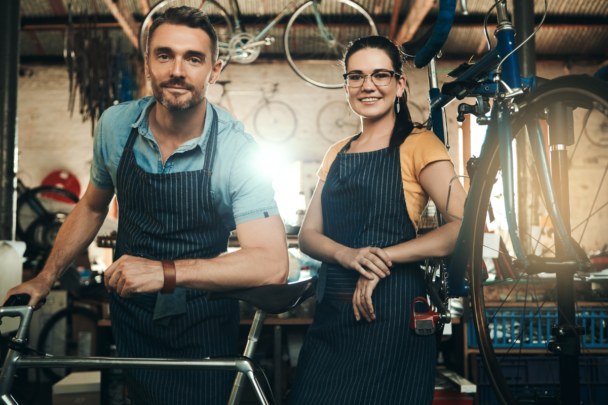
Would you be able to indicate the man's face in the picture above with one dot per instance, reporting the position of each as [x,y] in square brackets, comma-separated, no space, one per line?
[180,66]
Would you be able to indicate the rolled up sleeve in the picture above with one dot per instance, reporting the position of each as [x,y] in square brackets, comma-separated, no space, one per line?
[100,176]
[251,189]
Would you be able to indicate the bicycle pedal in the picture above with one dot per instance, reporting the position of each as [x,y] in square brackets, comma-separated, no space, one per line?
[423,323]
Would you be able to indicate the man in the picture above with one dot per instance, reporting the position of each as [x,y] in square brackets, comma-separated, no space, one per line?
[185,175]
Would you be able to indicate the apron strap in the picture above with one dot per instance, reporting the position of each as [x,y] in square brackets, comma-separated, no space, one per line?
[132,136]
[211,145]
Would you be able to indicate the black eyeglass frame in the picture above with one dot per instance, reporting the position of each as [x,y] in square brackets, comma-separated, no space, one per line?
[392,73]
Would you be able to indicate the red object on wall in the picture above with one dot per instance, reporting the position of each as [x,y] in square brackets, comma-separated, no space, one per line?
[445,397]
[61,179]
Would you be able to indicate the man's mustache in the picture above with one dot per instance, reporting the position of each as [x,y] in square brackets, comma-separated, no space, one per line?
[177,83]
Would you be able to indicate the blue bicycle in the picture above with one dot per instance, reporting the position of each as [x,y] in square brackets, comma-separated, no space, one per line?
[539,237]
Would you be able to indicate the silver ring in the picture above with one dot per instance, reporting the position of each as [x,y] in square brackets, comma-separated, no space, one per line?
[362,295]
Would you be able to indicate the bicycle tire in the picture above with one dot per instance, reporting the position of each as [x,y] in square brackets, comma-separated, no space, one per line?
[336,121]
[44,333]
[579,91]
[285,131]
[218,17]
[32,194]
[315,47]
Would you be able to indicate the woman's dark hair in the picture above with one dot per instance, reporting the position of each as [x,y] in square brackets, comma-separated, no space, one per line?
[189,17]
[403,123]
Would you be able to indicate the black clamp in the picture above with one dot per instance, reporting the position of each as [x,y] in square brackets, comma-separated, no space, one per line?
[479,109]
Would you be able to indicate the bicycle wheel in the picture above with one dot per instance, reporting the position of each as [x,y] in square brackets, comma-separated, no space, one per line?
[219,18]
[64,343]
[315,57]
[337,121]
[514,316]
[275,121]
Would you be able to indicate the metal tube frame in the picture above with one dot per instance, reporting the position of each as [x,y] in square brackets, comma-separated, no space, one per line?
[286,11]
[499,127]
[15,360]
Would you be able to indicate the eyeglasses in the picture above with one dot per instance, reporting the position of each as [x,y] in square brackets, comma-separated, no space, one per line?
[381,78]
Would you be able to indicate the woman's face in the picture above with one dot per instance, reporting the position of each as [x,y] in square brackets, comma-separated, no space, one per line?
[370,100]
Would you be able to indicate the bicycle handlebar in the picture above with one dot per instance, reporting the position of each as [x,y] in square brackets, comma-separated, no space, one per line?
[447,10]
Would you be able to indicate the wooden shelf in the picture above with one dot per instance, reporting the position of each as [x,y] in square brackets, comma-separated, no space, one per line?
[268,321]
[281,321]
[292,241]
[533,305]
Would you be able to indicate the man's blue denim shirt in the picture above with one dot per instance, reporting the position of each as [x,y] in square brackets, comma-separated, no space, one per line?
[241,192]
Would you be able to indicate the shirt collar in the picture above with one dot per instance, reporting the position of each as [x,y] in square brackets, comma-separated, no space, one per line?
[143,127]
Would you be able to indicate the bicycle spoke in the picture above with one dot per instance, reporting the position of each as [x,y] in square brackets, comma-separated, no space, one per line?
[579,137]
[506,298]
[594,201]
[586,219]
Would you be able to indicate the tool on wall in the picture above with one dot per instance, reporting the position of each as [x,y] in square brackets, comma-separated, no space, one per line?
[100,73]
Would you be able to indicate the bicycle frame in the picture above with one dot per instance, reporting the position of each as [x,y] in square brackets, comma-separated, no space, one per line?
[15,360]
[258,40]
[500,126]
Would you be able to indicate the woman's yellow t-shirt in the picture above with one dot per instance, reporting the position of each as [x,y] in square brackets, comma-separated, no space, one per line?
[419,149]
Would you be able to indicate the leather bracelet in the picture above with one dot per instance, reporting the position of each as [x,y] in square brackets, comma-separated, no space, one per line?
[170,278]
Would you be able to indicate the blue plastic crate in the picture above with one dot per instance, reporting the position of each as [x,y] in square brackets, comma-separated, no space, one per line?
[594,395]
[506,327]
[530,375]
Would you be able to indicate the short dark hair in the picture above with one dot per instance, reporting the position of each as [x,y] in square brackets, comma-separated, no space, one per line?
[190,17]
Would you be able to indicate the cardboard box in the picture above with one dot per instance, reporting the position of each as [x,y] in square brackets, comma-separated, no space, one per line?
[78,388]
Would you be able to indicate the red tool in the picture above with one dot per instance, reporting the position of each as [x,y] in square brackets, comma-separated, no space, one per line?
[423,323]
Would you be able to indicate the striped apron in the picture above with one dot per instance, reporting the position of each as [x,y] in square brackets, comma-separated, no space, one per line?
[172,216]
[348,362]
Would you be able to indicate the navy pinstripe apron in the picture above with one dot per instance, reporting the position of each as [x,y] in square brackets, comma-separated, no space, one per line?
[379,363]
[172,216]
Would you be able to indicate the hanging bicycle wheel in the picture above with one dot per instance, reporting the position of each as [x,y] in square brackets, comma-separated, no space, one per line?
[69,332]
[275,121]
[219,18]
[40,213]
[337,121]
[515,317]
[315,53]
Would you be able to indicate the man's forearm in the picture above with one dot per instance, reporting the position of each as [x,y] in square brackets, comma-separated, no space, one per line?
[247,267]
[74,236]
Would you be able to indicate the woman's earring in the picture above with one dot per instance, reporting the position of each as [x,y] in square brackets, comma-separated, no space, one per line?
[397,106]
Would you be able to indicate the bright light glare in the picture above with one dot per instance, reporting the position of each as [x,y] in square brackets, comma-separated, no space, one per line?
[286,181]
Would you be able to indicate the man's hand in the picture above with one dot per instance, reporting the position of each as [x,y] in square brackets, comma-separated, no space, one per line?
[37,288]
[132,275]
[362,298]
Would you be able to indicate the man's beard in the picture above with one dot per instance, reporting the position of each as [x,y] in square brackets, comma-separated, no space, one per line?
[196,98]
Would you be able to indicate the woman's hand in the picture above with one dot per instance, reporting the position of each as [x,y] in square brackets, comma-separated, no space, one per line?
[362,299]
[368,261]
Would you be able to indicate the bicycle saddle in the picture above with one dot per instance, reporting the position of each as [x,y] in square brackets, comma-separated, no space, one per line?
[274,298]
[411,48]
[222,82]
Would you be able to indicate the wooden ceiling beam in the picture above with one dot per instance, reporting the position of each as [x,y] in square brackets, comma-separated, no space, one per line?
[125,19]
[58,8]
[414,19]
[394,19]
[145,7]
[491,27]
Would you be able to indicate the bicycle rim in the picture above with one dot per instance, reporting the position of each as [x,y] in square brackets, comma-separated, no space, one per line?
[219,18]
[506,330]
[336,121]
[275,121]
[314,58]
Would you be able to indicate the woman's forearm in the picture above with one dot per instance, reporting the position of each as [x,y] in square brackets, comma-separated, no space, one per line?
[437,243]
[319,246]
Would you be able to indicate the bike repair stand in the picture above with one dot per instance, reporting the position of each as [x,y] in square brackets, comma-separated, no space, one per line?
[566,333]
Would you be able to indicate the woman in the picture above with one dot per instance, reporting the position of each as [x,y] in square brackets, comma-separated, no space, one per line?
[361,224]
